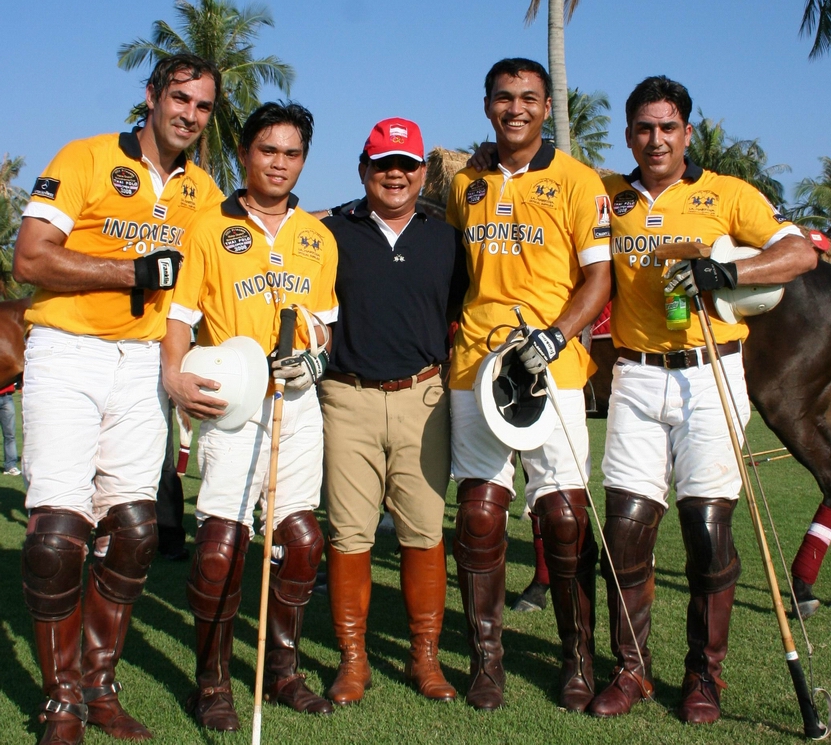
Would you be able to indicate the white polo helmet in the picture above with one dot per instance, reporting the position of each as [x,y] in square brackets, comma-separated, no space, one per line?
[514,402]
[750,300]
[240,367]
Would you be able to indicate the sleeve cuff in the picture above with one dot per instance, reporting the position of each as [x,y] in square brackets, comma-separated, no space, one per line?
[185,315]
[47,212]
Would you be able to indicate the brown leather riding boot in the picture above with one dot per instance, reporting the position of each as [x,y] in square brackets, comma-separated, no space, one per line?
[350,586]
[59,654]
[105,627]
[483,597]
[573,601]
[708,623]
[571,557]
[424,586]
[214,592]
[213,704]
[631,681]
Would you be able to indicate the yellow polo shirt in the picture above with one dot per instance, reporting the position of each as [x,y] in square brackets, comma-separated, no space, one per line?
[526,237]
[701,206]
[110,204]
[237,278]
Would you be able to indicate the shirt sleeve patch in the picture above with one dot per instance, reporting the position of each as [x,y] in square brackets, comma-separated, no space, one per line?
[46,187]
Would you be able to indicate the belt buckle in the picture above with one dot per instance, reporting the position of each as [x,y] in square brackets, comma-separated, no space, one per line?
[680,359]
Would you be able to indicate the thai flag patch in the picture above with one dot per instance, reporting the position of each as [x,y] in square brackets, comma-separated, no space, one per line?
[159,211]
[654,221]
[506,209]
[276,259]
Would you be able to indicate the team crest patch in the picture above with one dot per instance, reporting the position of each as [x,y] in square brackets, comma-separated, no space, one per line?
[702,203]
[599,233]
[236,239]
[604,210]
[624,202]
[309,245]
[544,193]
[125,180]
[475,193]
[188,193]
[46,187]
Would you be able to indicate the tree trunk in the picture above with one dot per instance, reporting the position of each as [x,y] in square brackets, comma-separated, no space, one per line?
[557,70]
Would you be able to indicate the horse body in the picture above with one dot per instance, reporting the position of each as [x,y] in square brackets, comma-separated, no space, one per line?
[11,339]
[787,360]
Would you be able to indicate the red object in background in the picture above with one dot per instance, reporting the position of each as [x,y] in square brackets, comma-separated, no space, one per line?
[603,325]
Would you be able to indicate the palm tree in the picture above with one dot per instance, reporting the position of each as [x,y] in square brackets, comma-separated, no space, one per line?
[588,126]
[817,16]
[559,13]
[711,148]
[218,31]
[13,201]
[813,208]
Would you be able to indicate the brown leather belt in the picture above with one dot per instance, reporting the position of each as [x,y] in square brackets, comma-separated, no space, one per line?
[389,386]
[680,359]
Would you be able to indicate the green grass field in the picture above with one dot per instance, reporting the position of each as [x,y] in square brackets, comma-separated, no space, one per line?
[157,668]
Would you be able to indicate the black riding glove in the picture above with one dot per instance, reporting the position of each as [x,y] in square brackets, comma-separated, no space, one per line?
[541,349]
[702,275]
[158,270]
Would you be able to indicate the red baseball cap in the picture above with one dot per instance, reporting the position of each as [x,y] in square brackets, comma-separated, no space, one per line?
[820,240]
[395,137]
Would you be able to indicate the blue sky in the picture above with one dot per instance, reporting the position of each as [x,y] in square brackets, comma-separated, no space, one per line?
[360,61]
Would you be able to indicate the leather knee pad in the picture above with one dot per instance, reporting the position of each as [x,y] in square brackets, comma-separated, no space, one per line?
[631,531]
[293,579]
[53,562]
[215,585]
[133,537]
[479,544]
[567,537]
[713,563]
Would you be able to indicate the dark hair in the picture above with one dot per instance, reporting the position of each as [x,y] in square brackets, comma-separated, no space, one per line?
[279,112]
[166,69]
[659,88]
[515,66]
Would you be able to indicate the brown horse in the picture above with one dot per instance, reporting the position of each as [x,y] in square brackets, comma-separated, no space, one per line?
[11,339]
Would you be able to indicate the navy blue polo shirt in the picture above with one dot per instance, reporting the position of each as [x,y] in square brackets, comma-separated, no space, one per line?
[393,302]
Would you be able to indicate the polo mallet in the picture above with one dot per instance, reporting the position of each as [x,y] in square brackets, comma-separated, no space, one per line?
[553,398]
[812,726]
[284,349]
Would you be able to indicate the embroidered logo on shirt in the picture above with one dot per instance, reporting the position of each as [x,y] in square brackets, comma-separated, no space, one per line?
[125,181]
[624,202]
[604,210]
[188,193]
[46,187]
[506,209]
[236,239]
[702,203]
[159,211]
[476,191]
[276,259]
[544,193]
[309,245]
[398,257]
[654,221]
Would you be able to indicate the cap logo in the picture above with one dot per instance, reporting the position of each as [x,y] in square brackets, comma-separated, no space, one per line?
[398,133]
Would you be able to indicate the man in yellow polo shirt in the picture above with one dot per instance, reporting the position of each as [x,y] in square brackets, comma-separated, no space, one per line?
[101,241]
[249,257]
[536,228]
[665,416]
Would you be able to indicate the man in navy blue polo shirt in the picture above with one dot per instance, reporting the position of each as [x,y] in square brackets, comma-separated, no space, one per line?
[401,278]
